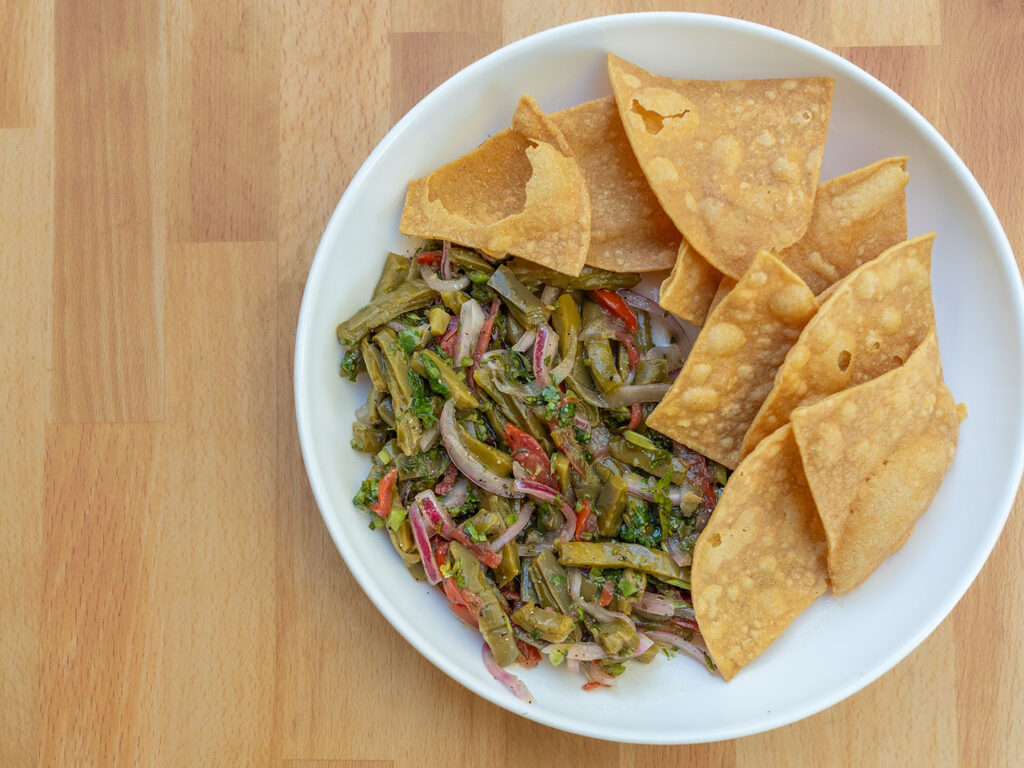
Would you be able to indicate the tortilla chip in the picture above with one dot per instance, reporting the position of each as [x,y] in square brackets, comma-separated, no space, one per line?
[690,287]
[855,217]
[725,285]
[870,324]
[761,559]
[520,192]
[875,456]
[730,369]
[629,232]
[734,164]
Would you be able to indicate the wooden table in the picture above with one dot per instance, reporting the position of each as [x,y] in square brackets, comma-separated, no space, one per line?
[168,593]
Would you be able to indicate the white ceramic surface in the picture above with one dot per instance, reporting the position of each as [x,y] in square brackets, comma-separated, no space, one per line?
[840,644]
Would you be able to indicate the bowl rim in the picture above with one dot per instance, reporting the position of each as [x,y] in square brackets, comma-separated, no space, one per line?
[305,331]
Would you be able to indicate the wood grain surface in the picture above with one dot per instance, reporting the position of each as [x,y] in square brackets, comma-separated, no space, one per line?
[168,593]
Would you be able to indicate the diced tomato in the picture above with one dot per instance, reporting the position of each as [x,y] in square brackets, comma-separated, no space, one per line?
[617,306]
[530,455]
[584,519]
[385,490]
[452,591]
[463,613]
[448,481]
[433,258]
[480,550]
[606,592]
[441,553]
[631,350]
[685,623]
[485,331]
[529,657]
[636,414]
[592,685]
[449,338]
[565,439]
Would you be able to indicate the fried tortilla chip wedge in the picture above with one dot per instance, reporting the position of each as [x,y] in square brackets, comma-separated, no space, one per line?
[734,163]
[629,232]
[870,323]
[761,559]
[875,456]
[856,216]
[521,192]
[730,369]
[690,288]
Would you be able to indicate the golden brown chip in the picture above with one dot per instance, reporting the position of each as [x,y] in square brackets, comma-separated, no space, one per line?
[871,322]
[690,287]
[856,216]
[629,232]
[734,163]
[725,285]
[520,192]
[730,369]
[875,456]
[761,560]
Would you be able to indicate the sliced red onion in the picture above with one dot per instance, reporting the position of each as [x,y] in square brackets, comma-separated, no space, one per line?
[510,681]
[525,511]
[456,497]
[642,645]
[569,529]
[366,411]
[676,553]
[639,487]
[446,260]
[471,320]
[543,350]
[422,539]
[573,665]
[565,365]
[396,325]
[537,490]
[587,395]
[436,514]
[630,394]
[657,604]
[466,462]
[675,641]
[659,316]
[575,582]
[595,673]
[525,341]
[436,283]
[549,294]
[581,422]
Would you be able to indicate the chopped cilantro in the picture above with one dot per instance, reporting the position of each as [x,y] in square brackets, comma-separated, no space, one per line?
[473,533]
[408,340]
[517,367]
[478,278]
[434,377]
[349,364]
[421,405]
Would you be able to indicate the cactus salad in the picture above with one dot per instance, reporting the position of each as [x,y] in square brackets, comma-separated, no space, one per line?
[510,464]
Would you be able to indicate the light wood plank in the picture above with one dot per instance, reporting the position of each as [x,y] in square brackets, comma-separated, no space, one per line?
[807,19]
[101,494]
[215,596]
[26,69]
[108,270]
[334,110]
[25,263]
[721,754]
[223,148]
[421,61]
[914,72]
[886,22]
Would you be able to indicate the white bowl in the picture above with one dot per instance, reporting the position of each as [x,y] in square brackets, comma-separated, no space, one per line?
[840,644]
